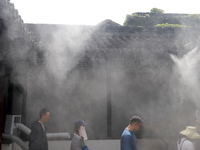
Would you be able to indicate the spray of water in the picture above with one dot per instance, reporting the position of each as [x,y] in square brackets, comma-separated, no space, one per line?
[186,71]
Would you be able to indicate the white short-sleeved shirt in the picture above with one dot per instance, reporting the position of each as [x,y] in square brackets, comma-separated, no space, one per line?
[185,144]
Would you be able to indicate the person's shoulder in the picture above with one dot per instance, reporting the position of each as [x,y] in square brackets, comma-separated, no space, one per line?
[76,136]
[188,142]
[126,132]
[35,124]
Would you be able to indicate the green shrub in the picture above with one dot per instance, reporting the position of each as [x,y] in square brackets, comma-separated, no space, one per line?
[169,25]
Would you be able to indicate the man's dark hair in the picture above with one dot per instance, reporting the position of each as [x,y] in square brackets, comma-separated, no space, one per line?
[136,119]
[43,112]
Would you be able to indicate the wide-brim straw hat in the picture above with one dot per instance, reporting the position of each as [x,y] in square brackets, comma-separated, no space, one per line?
[190,132]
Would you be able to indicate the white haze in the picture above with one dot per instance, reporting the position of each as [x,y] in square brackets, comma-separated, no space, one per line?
[90,12]
[187,71]
[64,50]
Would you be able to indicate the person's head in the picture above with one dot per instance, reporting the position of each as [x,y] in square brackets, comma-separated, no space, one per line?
[77,125]
[190,132]
[44,115]
[134,123]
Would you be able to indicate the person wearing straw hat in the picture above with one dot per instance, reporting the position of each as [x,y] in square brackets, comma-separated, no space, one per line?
[187,141]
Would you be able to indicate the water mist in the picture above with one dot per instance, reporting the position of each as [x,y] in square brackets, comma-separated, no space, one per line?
[186,70]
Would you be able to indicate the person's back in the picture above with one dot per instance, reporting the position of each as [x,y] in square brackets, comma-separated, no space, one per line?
[185,144]
[37,137]
[189,135]
[77,142]
[128,140]
[38,140]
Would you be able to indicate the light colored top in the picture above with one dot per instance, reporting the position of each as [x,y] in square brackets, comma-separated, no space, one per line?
[185,144]
[77,142]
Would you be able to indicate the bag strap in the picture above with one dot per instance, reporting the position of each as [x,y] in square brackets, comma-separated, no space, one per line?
[83,142]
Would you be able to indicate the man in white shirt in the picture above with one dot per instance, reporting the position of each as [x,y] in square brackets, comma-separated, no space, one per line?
[187,141]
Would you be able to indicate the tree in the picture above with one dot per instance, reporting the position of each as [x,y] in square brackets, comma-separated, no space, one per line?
[157,17]
[157,11]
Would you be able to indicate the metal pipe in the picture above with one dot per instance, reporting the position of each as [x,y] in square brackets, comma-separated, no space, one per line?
[50,136]
[23,128]
[15,139]
[58,136]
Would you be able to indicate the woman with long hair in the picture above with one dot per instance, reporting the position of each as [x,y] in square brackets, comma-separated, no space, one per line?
[79,135]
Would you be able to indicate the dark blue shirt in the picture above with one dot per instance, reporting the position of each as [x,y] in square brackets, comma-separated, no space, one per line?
[128,140]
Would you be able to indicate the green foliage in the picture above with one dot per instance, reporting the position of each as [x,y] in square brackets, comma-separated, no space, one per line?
[141,16]
[157,11]
[137,20]
[169,25]
[158,17]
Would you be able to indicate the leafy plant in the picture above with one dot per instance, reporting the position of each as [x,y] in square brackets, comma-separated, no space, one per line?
[157,11]
[169,25]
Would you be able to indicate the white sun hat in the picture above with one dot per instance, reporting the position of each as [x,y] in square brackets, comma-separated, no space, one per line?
[190,132]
